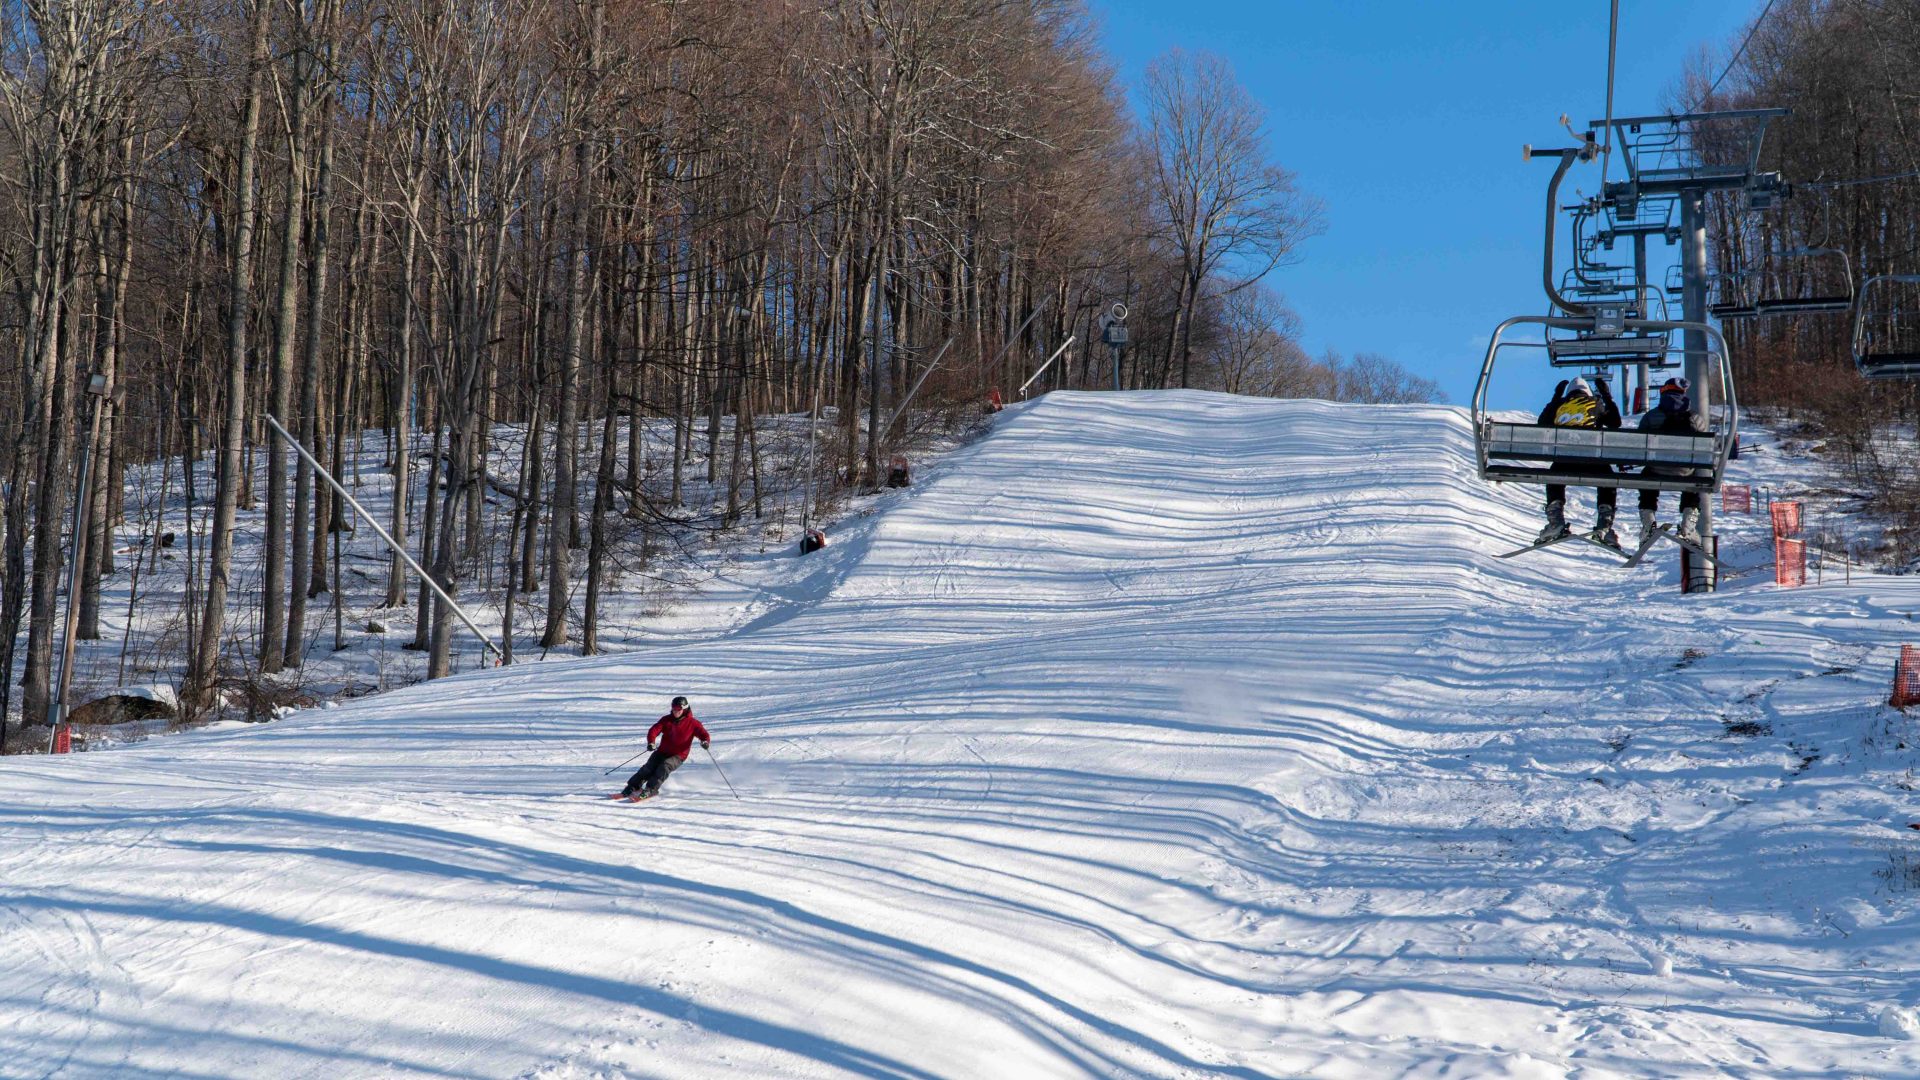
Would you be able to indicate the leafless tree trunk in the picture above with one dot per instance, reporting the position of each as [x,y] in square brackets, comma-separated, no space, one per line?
[206,660]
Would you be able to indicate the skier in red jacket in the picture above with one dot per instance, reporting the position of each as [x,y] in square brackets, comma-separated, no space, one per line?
[671,740]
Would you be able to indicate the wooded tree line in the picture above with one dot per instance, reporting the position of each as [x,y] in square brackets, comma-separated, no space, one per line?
[574,217]
[1848,70]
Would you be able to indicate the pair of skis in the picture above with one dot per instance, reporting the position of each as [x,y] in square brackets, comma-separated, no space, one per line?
[1561,539]
[1634,557]
[1665,529]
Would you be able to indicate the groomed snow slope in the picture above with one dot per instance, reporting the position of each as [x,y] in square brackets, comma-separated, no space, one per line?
[1153,735]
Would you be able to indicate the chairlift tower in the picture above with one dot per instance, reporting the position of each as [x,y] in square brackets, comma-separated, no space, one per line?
[1601,317]
[1666,156]
[1638,220]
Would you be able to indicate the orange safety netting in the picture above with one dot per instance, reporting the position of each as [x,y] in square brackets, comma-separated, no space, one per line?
[1789,562]
[1786,519]
[1906,678]
[1736,499]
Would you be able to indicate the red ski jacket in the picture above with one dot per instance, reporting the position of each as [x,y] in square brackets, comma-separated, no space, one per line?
[674,737]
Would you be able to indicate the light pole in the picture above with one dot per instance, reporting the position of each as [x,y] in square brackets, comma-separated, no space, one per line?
[1113,331]
[82,502]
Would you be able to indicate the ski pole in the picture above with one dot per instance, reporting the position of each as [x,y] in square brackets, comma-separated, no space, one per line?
[630,761]
[723,772]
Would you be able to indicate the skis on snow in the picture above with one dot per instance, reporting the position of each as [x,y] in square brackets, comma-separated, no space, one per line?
[1537,545]
[1634,557]
[1646,544]
[1665,529]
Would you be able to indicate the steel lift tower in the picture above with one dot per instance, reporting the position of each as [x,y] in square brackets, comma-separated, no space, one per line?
[1668,156]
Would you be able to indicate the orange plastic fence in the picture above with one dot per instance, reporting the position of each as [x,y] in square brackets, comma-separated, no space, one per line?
[1736,499]
[1906,678]
[1786,519]
[1789,562]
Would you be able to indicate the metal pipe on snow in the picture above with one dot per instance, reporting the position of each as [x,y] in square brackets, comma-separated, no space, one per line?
[1043,367]
[900,409]
[1037,309]
[321,471]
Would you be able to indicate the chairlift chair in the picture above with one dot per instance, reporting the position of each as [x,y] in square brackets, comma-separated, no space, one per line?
[1601,352]
[1605,342]
[1629,214]
[1886,333]
[1587,284]
[1530,453]
[1813,304]
[1726,303]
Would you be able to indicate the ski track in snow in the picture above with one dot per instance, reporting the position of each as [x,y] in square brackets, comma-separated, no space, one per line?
[1163,735]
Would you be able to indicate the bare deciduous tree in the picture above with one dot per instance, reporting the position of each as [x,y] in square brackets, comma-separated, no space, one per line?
[1228,215]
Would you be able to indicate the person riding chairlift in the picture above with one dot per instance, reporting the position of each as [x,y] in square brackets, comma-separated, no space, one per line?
[1672,415]
[1575,404]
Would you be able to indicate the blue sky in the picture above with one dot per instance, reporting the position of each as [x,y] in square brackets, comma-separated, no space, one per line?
[1407,120]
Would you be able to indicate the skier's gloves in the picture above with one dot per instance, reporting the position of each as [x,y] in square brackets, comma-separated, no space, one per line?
[706,744]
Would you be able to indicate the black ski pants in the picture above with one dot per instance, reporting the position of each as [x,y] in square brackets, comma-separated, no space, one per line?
[653,773]
[1650,500]
[1602,496]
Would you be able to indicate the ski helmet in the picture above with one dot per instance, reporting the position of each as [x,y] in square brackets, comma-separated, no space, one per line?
[680,703]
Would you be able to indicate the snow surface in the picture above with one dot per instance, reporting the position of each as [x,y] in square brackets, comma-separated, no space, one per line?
[1166,735]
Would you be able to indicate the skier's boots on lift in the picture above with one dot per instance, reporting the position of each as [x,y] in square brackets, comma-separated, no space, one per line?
[1690,524]
[1603,528]
[1556,522]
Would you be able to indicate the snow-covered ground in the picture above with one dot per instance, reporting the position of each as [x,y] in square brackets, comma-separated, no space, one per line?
[1165,735]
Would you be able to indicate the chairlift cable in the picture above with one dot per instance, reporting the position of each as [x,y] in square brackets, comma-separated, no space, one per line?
[1613,40]
[1824,184]
[1741,51]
